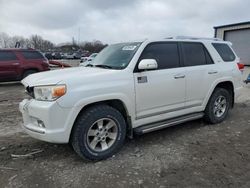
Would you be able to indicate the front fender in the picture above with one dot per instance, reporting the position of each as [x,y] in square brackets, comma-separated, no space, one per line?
[76,109]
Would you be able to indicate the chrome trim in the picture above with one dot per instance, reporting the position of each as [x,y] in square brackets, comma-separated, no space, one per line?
[164,125]
[179,76]
[212,72]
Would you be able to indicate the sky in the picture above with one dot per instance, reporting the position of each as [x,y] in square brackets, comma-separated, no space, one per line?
[113,21]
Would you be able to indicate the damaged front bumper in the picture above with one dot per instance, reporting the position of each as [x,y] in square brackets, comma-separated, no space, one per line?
[45,120]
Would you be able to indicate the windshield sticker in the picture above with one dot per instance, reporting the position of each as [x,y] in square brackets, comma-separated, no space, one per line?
[129,48]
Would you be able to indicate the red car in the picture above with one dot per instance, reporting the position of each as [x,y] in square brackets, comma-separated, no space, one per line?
[16,64]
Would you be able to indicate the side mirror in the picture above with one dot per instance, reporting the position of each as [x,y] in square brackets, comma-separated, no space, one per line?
[147,64]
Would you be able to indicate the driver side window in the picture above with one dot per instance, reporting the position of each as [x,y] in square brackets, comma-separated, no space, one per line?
[165,53]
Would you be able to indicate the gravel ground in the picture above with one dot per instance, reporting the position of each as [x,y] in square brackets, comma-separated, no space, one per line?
[193,154]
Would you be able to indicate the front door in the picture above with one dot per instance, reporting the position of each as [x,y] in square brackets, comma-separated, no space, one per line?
[162,90]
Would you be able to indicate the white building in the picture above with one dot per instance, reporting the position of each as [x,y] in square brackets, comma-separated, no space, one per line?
[239,35]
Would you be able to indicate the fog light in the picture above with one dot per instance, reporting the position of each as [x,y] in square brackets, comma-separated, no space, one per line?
[40,123]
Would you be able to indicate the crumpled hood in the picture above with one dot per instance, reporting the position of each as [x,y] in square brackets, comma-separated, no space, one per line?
[64,75]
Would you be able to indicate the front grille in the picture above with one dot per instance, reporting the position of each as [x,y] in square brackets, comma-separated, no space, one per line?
[30,91]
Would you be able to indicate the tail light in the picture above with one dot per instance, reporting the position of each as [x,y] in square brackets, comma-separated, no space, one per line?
[46,64]
[46,61]
[241,66]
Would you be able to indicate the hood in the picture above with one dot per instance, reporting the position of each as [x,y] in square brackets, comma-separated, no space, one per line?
[64,75]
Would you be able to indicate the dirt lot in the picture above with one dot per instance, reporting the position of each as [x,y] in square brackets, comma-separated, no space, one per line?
[193,154]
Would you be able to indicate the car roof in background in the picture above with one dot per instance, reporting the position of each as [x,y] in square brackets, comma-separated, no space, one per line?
[17,49]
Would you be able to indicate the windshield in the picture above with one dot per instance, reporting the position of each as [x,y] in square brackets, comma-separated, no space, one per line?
[116,56]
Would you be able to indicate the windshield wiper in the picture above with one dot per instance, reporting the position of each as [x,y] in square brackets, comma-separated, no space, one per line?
[104,66]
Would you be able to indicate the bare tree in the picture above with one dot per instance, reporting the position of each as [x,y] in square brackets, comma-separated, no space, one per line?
[47,45]
[34,42]
[4,40]
[95,46]
[17,40]
[37,42]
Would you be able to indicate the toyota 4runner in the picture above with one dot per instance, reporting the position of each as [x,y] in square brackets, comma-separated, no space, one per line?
[132,88]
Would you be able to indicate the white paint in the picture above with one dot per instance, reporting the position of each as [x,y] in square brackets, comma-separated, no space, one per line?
[145,103]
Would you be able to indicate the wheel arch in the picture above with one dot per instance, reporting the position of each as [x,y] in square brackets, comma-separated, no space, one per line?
[228,85]
[118,104]
[225,84]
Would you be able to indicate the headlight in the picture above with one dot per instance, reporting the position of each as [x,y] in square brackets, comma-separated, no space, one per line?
[49,93]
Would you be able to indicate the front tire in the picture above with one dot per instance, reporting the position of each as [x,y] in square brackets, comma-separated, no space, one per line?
[218,106]
[98,133]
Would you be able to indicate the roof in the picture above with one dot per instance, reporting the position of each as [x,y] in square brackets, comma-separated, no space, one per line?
[230,25]
[186,39]
[193,38]
[17,49]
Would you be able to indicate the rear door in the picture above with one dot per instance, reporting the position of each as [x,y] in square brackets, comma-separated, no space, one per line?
[9,65]
[162,90]
[201,72]
[33,60]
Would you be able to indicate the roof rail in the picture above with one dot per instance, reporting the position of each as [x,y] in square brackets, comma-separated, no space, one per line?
[194,38]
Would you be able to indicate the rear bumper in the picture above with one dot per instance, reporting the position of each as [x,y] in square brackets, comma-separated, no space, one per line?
[45,121]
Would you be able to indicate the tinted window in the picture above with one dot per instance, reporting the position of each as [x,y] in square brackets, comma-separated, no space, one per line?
[208,57]
[166,54]
[32,55]
[225,51]
[194,54]
[7,56]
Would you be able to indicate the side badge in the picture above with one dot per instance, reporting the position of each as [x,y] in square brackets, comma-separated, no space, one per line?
[142,79]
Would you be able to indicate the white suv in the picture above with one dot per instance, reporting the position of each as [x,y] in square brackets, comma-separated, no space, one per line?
[134,87]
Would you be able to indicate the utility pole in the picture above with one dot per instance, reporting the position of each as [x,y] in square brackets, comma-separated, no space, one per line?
[79,39]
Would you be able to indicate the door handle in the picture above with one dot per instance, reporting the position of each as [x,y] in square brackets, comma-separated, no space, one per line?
[212,72]
[179,76]
[15,63]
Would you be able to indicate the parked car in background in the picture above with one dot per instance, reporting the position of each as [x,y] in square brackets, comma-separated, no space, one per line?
[56,64]
[77,55]
[48,55]
[90,58]
[16,64]
[84,63]
[57,55]
[69,56]
[74,55]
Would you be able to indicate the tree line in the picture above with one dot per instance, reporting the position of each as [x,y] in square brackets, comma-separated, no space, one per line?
[38,43]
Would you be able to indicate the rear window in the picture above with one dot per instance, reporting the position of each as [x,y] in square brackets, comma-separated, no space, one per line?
[32,55]
[194,54]
[7,56]
[225,51]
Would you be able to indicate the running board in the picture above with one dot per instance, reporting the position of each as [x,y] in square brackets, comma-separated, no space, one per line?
[167,123]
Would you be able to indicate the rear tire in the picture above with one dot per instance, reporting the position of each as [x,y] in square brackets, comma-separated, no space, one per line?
[218,106]
[28,72]
[98,133]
